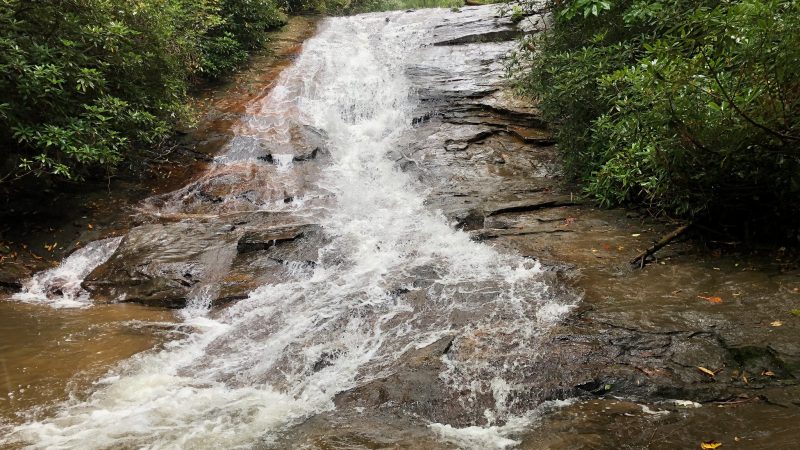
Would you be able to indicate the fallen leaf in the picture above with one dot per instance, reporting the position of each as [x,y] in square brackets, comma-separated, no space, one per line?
[744,379]
[768,373]
[654,372]
[636,234]
[708,372]
[776,323]
[710,445]
[90,226]
[711,299]
[795,312]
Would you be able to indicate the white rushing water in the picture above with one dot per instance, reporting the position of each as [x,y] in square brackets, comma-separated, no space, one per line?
[60,287]
[282,355]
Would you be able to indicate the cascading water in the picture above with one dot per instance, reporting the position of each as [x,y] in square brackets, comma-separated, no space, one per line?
[60,287]
[267,362]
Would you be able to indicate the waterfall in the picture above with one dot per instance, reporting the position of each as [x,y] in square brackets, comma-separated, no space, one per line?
[265,363]
[60,287]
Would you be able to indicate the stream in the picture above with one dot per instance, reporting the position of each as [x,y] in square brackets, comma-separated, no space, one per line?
[372,261]
[342,317]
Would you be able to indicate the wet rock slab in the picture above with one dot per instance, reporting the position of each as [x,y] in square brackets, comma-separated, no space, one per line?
[169,264]
[12,275]
[158,264]
[245,222]
[252,241]
[492,169]
[642,335]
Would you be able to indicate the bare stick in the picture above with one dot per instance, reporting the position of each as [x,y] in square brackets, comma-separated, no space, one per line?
[642,257]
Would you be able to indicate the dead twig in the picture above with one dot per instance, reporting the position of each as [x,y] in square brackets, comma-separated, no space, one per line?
[641,258]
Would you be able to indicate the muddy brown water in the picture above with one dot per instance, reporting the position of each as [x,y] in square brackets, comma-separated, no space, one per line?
[426,353]
[48,353]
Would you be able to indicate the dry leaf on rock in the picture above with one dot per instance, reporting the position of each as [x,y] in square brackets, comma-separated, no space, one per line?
[708,372]
[711,299]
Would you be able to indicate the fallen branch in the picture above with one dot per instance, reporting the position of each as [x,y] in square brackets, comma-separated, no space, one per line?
[641,258]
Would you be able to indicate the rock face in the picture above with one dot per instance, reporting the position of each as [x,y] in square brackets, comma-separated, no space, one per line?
[246,221]
[172,263]
[253,241]
[158,264]
[493,170]
[11,276]
[491,167]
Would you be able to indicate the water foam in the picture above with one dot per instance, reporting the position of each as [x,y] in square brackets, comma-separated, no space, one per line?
[495,437]
[281,355]
[60,287]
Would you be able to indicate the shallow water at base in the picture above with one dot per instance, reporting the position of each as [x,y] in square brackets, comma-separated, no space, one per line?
[65,350]
[267,367]
[282,355]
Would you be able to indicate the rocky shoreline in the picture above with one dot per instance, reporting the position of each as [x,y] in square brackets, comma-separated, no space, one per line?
[638,336]
[707,330]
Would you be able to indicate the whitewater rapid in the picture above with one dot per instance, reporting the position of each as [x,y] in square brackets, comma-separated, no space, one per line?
[252,370]
[60,287]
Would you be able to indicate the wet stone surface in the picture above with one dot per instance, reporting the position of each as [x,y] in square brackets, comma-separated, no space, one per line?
[170,264]
[640,335]
[637,341]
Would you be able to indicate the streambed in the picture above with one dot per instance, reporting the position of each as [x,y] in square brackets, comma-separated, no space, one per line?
[384,253]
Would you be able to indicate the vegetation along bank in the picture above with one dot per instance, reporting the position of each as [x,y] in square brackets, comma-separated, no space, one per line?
[689,108]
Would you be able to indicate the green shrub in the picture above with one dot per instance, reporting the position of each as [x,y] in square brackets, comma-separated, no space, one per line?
[84,82]
[341,7]
[248,21]
[688,107]
[242,26]
[84,79]
[221,54]
[388,5]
